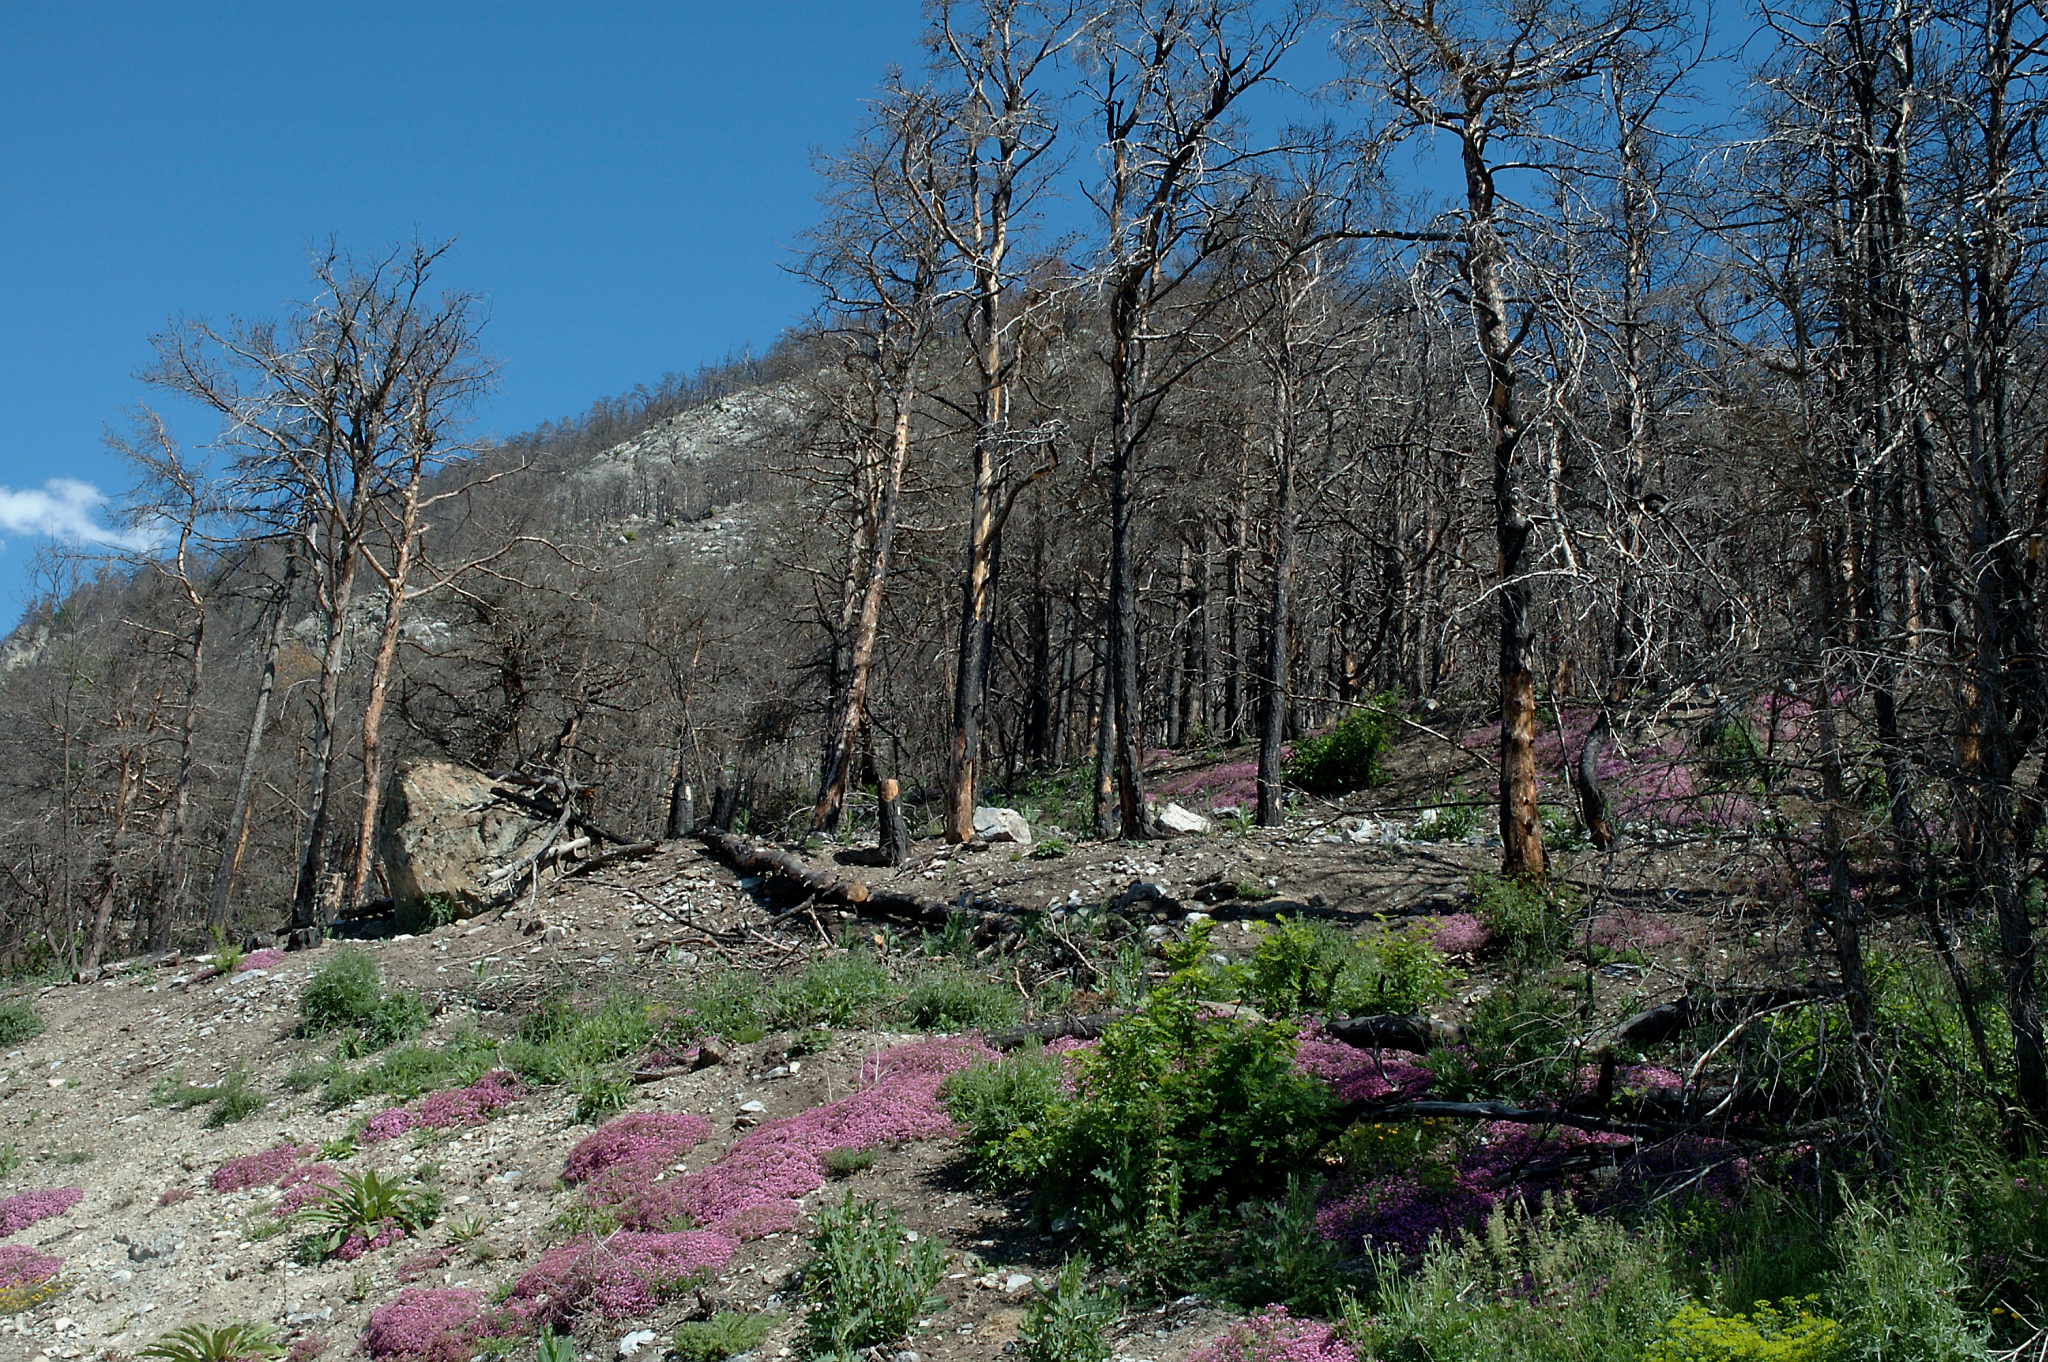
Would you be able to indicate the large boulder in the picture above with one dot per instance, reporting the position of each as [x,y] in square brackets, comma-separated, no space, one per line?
[1176,821]
[1001,825]
[440,830]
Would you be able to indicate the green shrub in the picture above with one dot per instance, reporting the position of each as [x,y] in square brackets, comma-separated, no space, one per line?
[865,1284]
[1304,967]
[1065,1324]
[347,995]
[1898,1291]
[1348,757]
[834,990]
[954,1000]
[410,1071]
[1176,1110]
[1004,1108]
[557,1044]
[18,1022]
[1525,917]
[229,1100]
[1786,1332]
[725,1334]
[726,1004]
[1282,1259]
[1050,849]
[1543,1285]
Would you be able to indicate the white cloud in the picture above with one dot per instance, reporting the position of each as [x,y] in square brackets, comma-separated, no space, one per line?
[64,508]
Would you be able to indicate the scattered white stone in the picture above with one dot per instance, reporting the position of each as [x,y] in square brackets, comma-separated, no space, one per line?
[635,1341]
[1016,1282]
[1002,825]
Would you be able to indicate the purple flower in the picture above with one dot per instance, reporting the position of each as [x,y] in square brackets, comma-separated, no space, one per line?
[271,1165]
[434,1325]
[267,958]
[470,1106]
[640,1141]
[1461,934]
[618,1277]
[1273,1335]
[20,1211]
[1358,1075]
[23,1266]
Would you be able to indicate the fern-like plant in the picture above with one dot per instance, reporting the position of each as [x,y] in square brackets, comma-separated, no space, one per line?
[232,1342]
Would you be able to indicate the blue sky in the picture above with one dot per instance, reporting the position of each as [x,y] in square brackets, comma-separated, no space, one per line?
[620,178]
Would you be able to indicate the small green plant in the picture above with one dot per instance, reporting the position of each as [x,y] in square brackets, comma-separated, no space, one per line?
[844,1163]
[18,1022]
[1786,1332]
[1004,1106]
[1349,756]
[366,1204]
[725,1334]
[228,1101]
[71,1157]
[261,1224]
[834,990]
[439,910]
[1065,1324]
[865,1282]
[1525,917]
[10,1159]
[556,1348]
[1251,890]
[226,954]
[1050,849]
[236,1342]
[1450,821]
[338,1150]
[601,1093]
[954,1000]
[465,1231]
[1283,1259]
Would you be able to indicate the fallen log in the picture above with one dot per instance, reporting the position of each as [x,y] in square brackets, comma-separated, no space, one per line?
[1493,1111]
[820,887]
[1661,1023]
[548,810]
[632,851]
[1411,1032]
[1060,1028]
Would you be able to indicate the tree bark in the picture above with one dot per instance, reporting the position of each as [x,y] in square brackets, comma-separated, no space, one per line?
[233,838]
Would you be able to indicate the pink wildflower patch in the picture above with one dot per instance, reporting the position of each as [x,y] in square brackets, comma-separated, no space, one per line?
[269,1166]
[617,1277]
[268,958]
[1273,1335]
[1461,934]
[1359,1075]
[304,1186]
[420,1264]
[357,1244]
[20,1211]
[23,1266]
[434,1325]
[450,1107]
[641,1141]
[754,1188]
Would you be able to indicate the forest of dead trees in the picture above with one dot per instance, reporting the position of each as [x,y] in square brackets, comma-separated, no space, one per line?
[1162,393]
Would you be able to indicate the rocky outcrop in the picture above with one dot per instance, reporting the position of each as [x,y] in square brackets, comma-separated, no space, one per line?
[1001,825]
[440,832]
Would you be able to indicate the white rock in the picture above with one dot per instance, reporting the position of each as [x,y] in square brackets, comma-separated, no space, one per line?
[1016,1282]
[753,1106]
[1001,825]
[635,1341]
[1174,819]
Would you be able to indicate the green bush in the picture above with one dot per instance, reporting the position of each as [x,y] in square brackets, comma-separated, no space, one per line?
[1177,1111]
[726,1004]
[406,1072]
[1282,1259]
[229,1100]
[725,1334]
[18,1022]
[844,1163]
[1005,1107]
[865,1284]
[1348,757]
[835,991]
[1065,1324]
[557,1044]
[1543,1285]
[1899,1288]
[347,995]
[954,1000]
[1525,917]
[1305,967]
[1786,1332]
